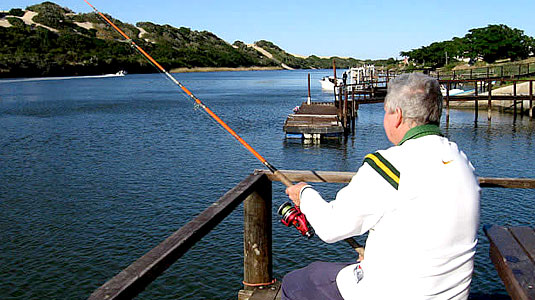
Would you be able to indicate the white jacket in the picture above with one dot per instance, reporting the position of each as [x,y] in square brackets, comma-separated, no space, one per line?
[422,235]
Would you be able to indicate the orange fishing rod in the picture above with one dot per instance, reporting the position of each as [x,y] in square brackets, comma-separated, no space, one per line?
[198,102]
[285,180]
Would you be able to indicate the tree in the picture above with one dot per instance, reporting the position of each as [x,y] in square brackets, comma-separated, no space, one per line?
[489,43]
[498,41]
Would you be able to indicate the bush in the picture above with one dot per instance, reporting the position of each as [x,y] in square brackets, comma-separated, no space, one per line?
[17,12]
[16,22]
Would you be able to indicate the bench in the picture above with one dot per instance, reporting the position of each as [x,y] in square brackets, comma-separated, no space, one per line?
[512,251]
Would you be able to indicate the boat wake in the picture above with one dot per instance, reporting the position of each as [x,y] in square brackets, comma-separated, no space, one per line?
[118,74]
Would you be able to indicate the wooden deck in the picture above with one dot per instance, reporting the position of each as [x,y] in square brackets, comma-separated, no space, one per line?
[272,292]
[512,250]
[319,119]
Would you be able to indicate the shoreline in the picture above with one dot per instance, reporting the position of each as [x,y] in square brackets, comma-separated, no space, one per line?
[5,76]
[222,69]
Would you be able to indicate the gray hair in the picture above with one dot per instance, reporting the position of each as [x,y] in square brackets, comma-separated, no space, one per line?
[418,96]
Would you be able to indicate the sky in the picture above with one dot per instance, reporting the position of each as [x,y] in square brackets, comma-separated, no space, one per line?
[359,29]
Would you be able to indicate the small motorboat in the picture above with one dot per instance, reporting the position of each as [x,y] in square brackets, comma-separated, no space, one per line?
[327,82]
[454,92]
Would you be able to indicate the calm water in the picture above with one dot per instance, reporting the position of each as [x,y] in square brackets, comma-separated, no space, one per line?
[96,172]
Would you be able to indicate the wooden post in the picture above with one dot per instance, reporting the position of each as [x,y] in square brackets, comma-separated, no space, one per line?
[354,87]
[354,117]
[448,86]
[257,255]
[353,113]
[489,105]
[519,69]
[476,102]
[501,72]
[346,122]
[470,73]
[514,99]
[340,104]
[308,99]
[521,106]
[335,81]
[488,73]
[531,98]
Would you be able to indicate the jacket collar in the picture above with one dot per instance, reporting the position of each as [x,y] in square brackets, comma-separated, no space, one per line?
[419,131]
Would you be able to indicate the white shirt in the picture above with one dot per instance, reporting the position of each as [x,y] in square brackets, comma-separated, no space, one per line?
[422,236]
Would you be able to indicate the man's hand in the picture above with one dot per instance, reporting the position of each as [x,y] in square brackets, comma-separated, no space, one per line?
[293,192]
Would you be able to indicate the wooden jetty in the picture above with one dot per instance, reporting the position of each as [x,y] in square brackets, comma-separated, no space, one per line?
[255,192]
[314,121]
[321,120]
[481,93]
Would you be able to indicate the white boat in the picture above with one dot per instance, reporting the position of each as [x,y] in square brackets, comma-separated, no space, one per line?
[327,82]
[121,73]
[454,92]
[355,78]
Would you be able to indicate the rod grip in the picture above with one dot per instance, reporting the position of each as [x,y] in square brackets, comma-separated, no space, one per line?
[355,245]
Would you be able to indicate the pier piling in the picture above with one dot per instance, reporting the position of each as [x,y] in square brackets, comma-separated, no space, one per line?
[257,257]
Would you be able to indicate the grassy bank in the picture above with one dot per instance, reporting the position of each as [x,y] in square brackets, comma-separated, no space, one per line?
[221,69]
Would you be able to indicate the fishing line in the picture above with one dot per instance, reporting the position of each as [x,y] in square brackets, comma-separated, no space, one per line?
[198,103]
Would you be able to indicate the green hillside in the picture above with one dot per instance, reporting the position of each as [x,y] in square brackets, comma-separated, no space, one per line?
[59,42]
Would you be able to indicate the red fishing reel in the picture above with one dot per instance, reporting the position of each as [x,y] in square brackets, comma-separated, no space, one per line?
[292,215]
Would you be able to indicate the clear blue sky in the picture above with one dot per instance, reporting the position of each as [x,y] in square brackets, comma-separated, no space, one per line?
[359,29]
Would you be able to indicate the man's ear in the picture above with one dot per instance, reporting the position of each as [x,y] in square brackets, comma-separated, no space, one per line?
[399,117]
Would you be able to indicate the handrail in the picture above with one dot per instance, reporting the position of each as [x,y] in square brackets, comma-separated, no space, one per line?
[136,277]
[345,177]
[484,79]
[256,189]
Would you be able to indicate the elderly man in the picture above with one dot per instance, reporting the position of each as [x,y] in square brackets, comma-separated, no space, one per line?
[418,200]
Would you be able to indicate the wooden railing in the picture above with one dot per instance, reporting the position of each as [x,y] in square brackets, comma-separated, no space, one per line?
[490,72]
[481,90]
[255,191]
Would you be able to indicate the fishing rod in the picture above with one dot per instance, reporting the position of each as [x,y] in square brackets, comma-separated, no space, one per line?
[283,178]
[197,102]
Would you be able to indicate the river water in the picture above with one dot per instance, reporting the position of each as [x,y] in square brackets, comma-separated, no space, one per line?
[96,172]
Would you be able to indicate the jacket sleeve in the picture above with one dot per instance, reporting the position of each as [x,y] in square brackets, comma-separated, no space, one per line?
[356,209]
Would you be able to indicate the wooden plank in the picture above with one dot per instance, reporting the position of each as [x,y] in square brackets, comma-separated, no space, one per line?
[267,293]
[244,294]
[312,176]
[132,280]
[514,267]
[526,238]
[518,183]
[345,177]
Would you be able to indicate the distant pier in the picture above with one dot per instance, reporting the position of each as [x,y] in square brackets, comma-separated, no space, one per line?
[316,121]
[473,88]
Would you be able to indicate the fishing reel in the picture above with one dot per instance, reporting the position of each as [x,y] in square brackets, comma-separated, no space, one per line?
[292,215]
